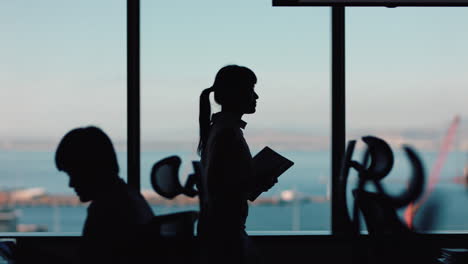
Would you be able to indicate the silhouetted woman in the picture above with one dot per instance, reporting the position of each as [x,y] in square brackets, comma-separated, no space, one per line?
[227,168]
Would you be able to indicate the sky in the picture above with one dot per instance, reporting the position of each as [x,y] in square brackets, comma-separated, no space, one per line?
[63,65]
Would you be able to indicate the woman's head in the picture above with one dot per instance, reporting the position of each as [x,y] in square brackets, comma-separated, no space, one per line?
[234,90]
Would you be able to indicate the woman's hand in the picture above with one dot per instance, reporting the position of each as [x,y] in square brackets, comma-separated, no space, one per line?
[270,184]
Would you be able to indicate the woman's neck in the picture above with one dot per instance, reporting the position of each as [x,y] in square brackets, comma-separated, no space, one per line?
[233,113]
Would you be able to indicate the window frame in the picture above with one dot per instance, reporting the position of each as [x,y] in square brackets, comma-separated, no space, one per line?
[384,3]
[133,94]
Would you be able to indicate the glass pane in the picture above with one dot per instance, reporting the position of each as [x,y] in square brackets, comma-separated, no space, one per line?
[185,43]
[406,83]
[63,66]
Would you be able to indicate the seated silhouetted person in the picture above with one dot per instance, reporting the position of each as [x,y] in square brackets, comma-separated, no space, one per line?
[116,212]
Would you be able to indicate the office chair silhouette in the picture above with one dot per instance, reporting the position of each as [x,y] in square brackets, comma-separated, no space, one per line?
[391,238]
[169,238]
[378,208]
[165,181]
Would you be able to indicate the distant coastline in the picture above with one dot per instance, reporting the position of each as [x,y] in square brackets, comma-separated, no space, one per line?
[428,140]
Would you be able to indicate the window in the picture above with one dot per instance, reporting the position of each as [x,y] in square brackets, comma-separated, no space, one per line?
[63,66]
[184,44]
[406,84]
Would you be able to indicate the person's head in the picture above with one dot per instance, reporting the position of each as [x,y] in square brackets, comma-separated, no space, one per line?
[234,90]
[88,157]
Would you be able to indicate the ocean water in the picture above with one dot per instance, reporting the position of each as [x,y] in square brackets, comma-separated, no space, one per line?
[447,206]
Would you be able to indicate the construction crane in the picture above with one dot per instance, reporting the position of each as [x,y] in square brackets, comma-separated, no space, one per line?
[434,176]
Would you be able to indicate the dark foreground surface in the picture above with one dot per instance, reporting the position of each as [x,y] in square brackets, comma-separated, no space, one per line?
[275,249]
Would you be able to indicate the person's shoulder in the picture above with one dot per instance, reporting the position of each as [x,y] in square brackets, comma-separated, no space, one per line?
[115,198]
[124,204]
[227,134]
[226,137]
[138,205]
[130,196]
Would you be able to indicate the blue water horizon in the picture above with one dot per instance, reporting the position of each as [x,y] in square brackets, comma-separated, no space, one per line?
[310,175]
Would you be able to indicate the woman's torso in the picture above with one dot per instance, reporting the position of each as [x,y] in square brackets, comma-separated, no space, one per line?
[227,169]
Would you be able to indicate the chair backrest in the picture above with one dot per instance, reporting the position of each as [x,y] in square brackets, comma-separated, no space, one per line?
[165,177]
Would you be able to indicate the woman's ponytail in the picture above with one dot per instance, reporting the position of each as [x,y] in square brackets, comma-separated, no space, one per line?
[204,118]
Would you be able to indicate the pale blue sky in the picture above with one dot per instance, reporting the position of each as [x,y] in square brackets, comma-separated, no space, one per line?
[63,64]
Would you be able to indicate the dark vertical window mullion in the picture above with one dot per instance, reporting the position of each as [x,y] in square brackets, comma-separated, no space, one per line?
[338,111]
[133,93]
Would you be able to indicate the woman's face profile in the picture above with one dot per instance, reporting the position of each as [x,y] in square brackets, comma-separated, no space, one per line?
[250,102]
[234,89]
